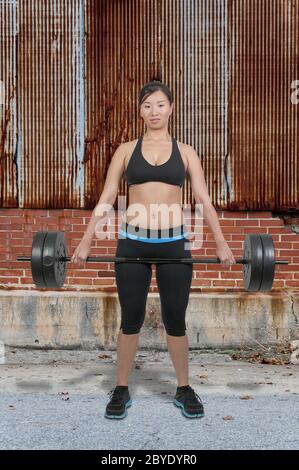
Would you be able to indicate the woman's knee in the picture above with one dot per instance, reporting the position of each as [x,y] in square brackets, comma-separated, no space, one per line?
[174,324]
[175,331]
[130,328]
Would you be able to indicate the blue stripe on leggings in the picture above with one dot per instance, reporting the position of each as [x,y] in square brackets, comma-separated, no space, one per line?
[152,240]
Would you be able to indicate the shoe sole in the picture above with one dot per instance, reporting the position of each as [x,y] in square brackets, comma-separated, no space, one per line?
[128,404]
[197,415]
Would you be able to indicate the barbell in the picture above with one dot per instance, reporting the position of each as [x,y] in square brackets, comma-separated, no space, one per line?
[49,258]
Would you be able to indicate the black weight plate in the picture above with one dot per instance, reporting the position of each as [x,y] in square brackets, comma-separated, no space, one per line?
[53,269]
[268,262]
[37,259]
[253,270]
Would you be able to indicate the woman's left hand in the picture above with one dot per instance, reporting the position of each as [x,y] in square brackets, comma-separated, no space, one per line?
[224,253]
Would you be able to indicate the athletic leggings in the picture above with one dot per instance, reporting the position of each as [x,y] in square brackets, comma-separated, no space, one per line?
[133,279]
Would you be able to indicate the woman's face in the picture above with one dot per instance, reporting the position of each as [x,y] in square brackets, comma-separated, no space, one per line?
[155,110]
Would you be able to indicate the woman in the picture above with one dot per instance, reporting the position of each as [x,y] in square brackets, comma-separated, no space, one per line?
[155,167]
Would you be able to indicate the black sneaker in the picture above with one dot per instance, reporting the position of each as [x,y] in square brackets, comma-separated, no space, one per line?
[120,401]
[189,401]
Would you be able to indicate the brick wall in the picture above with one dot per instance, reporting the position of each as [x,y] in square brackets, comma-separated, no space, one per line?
[17,227]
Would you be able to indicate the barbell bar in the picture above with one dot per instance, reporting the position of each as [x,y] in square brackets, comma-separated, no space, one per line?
[49,258]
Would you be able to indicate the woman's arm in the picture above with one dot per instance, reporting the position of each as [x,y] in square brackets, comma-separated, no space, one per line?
[201,194]
[109,193]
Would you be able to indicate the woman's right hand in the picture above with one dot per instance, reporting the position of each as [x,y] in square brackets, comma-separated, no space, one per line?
[81,252]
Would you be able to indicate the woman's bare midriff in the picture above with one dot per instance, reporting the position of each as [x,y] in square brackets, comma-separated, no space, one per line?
[154,204]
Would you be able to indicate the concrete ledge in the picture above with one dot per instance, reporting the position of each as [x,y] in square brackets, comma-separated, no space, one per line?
[82,320]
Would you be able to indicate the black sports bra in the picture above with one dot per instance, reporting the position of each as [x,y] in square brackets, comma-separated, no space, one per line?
[139,170]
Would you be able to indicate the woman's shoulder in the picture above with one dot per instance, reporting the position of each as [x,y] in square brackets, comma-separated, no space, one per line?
[184,148]
[128,147]
[130,143]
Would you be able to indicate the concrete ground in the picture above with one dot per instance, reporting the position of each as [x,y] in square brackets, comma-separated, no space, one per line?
[53,399]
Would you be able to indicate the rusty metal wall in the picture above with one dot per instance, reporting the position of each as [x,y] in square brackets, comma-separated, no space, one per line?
[45,45]
[262,166]
[8,103]
[78,66]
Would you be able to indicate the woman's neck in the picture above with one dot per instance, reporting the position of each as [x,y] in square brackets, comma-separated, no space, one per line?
[157,136]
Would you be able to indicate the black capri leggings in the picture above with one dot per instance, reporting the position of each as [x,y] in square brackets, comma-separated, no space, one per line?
[133,279]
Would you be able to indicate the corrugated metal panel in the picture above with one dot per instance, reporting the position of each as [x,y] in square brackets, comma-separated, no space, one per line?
[8,102]
[263,121]
[51,120]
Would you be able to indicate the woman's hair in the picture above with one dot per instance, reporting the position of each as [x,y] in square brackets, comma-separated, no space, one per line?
[151,87]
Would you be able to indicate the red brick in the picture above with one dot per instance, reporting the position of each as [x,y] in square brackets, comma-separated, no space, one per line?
[288,253]
[7,212]
[4,226]
[9,280]
[259,215]
[20,242]
[56,212]
[272,223]
[81,213]
[109,243]
[77,280]
[289,237]
[292,284]
[102,282]
[201,282]
[280,275]
[230,275]
[284,245]
[11,272]
[31,228]
[287,267]
[256,230]
[39,212]
[48,220]
[79,227]
[227,222]
[26,280]
[223,283]
[19,235]
[111,251]
[247,223]
[105,274]
[240,284]
[72,220]
[81,272]
[235,215]
[281,231]
[206,275]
